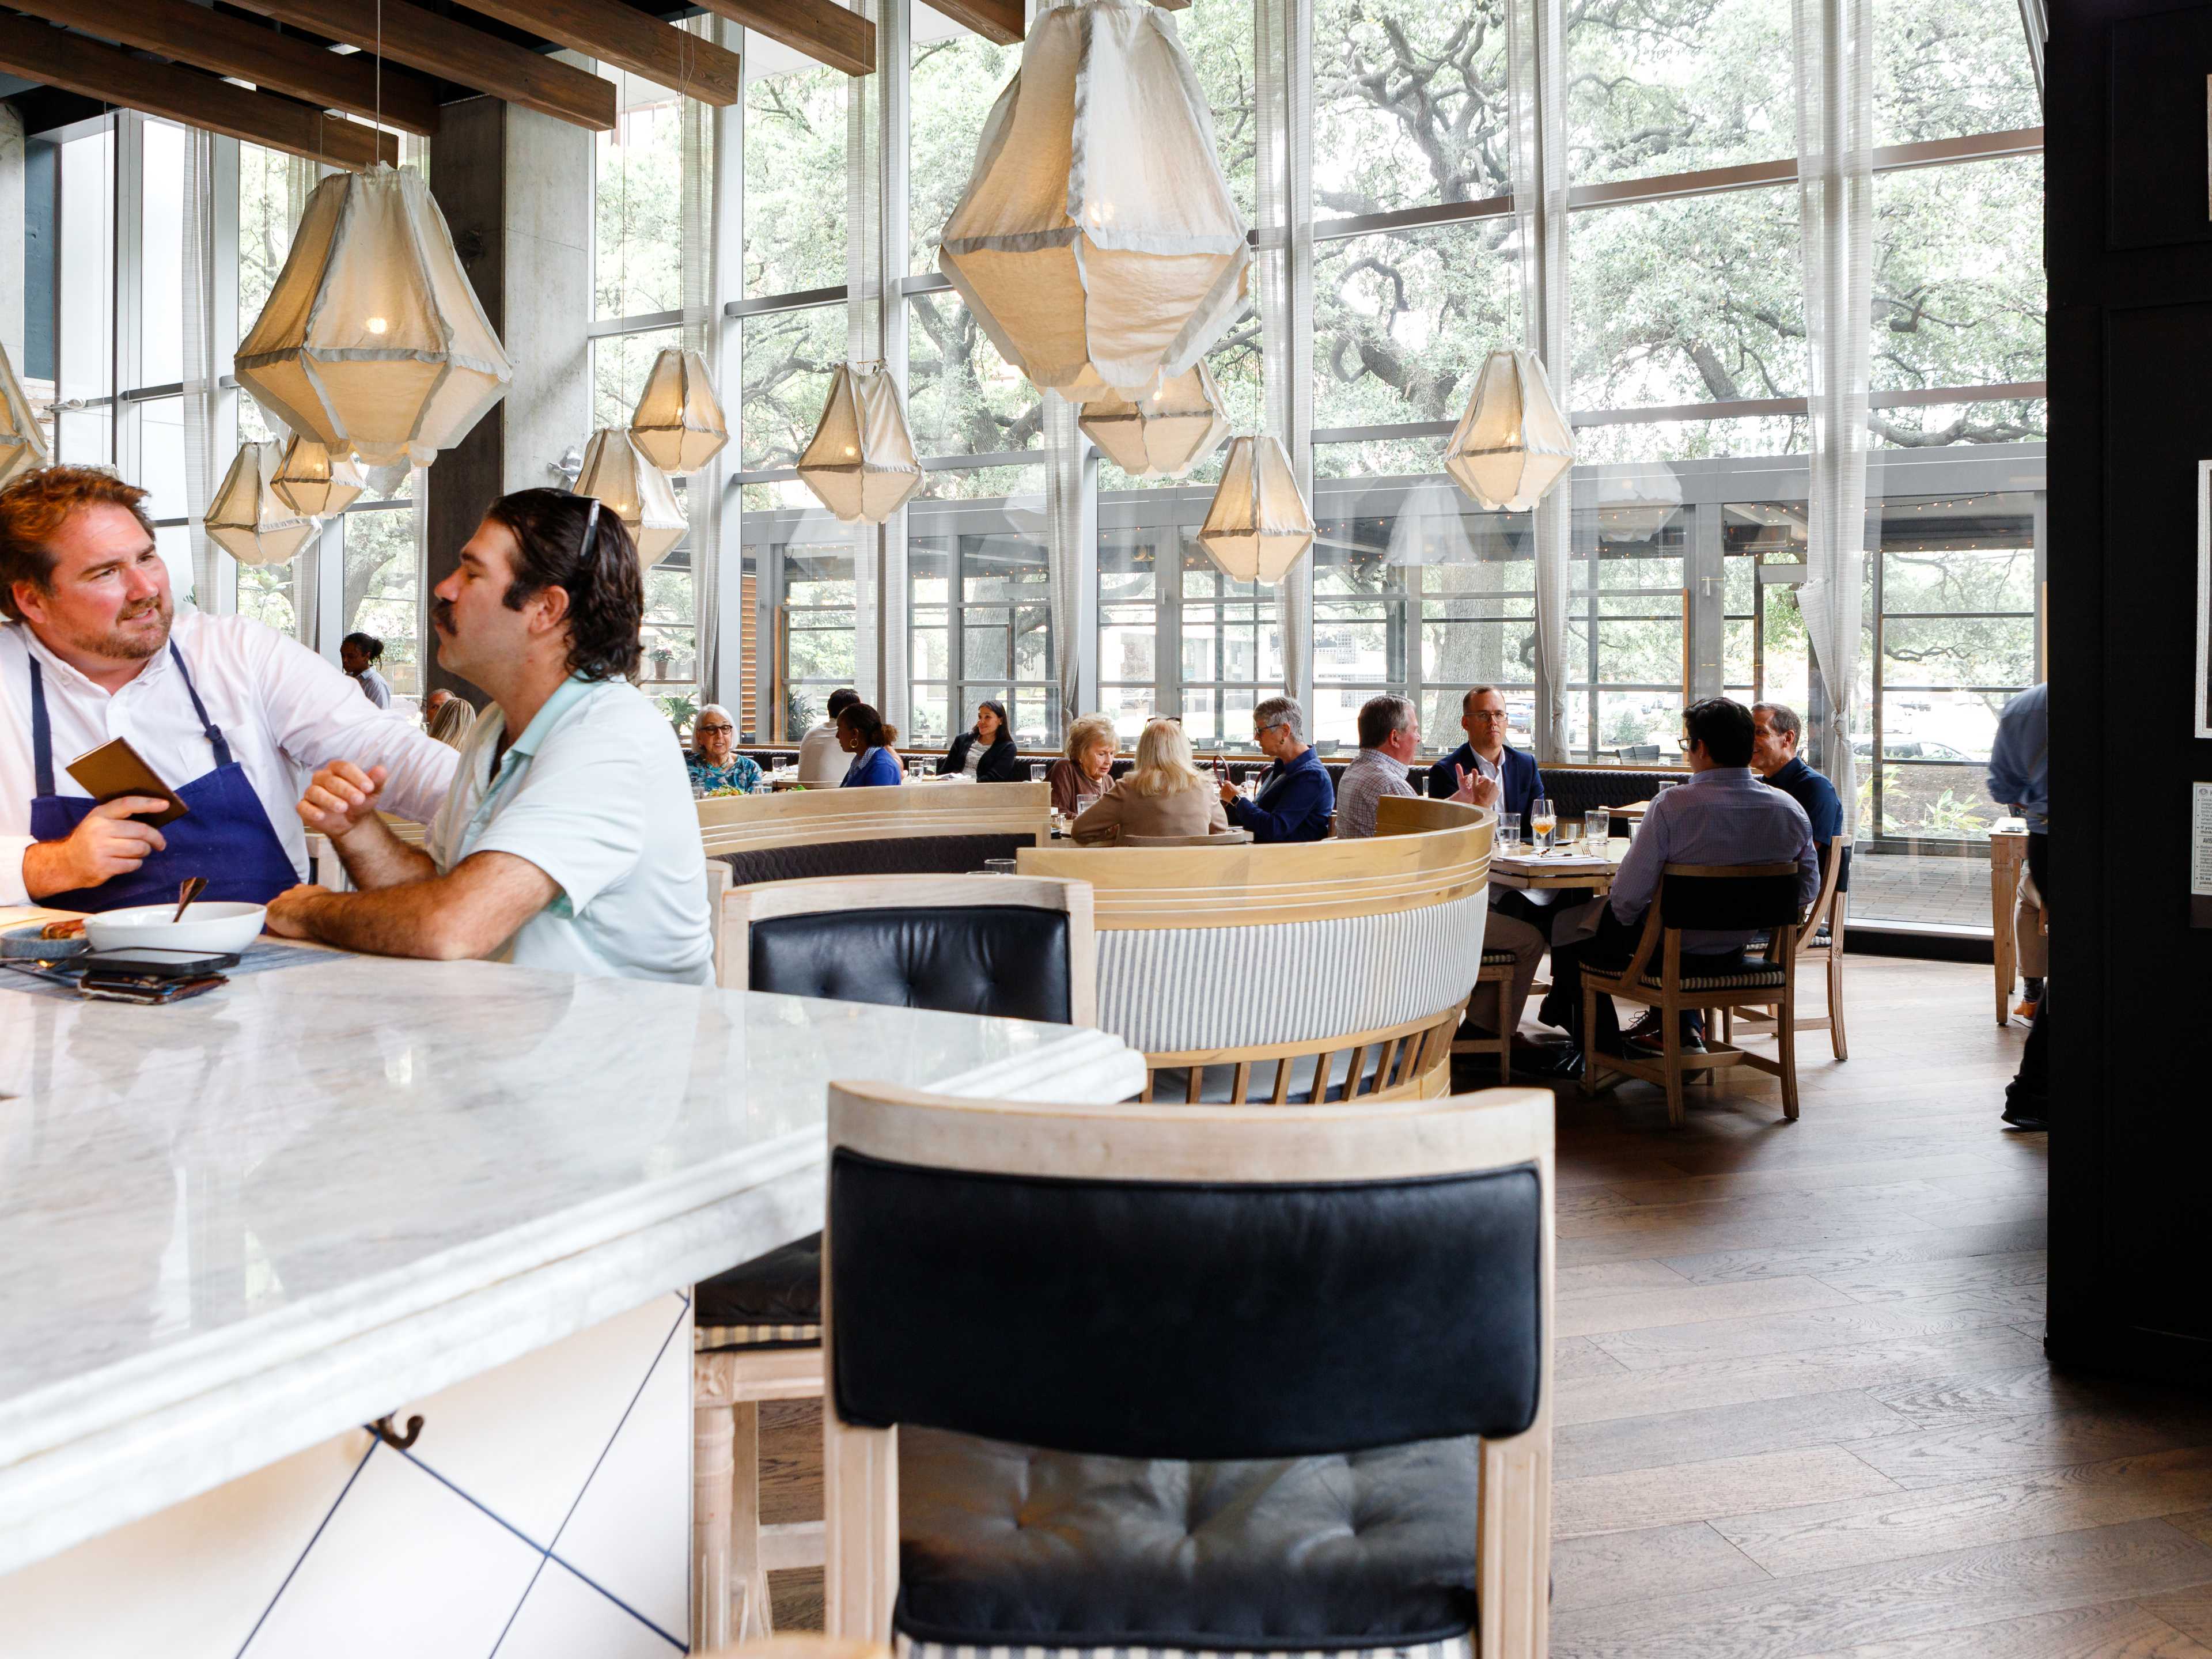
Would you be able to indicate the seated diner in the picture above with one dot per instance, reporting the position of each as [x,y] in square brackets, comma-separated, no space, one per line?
[1085,768]
[986,753]
[862,734]
[1296,797]
[1165,793]
[713,761]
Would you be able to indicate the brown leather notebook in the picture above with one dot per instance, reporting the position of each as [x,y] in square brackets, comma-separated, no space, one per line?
[115,770]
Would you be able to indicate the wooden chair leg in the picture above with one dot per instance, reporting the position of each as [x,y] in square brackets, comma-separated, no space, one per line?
[1785,1053]
[1590,1038]
[1842,1049]
[1727,1025]
[712,1486]
[1670,1036]
[748,1573]
[1504,989]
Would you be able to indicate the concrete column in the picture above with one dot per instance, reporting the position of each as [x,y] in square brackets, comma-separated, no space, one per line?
[11,235]
[515,188]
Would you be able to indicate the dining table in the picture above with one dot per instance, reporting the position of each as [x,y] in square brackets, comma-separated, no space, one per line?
[354,1295]
[1590,867]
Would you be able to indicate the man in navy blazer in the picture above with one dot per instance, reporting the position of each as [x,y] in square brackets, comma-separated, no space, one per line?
[1496,770]
[1296,795]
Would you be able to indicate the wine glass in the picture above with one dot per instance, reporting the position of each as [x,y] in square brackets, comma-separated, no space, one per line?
[1542,820]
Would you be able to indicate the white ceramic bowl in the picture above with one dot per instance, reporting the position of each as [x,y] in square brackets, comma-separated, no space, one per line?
[208,925]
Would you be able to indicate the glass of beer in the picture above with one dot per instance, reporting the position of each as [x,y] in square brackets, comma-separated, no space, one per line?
[1542,820]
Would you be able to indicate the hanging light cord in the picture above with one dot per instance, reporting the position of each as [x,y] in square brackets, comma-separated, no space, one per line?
[379,79]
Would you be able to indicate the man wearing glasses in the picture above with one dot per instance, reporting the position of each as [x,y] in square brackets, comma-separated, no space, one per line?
[1296,797]
[1505,778]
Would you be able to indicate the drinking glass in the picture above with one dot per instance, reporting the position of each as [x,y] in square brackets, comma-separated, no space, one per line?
[1508,830]
[1037,771]
[999,866]
[1569,835]
[1542,820]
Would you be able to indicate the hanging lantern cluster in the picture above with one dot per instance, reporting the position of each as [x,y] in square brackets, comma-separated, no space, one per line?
[1161,433]
[679,424]
[373,343]
[310,480]
[860,463]
[1259,525]
[248,519]
[635,490]
[1512,445]
[22,442]
[1097,243]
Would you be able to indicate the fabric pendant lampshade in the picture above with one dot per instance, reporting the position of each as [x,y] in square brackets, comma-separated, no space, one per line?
[1259,525]
[22,442]
[861,461]
[1098,242]
[310,481]
[1512,445]
[373,343]
[1161,433]
[636,490]
[679,421]
[248,519]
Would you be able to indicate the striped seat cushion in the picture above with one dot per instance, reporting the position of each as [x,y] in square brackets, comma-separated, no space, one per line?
[1752,976]
[709,1339]
[1456,1647]
[1498,958]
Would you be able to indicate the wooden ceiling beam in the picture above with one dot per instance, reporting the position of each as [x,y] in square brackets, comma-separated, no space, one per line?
[454,52]
[624,38]
[994,20]
[822,29]
[39,51]
[231,45]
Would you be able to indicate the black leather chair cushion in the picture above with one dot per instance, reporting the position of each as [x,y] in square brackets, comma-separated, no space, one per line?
[1008,960]
[1006,1545]
[783,1287]
[892,855]
[1130,1319]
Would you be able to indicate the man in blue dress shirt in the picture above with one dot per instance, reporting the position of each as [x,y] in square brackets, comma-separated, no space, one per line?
[1296,797]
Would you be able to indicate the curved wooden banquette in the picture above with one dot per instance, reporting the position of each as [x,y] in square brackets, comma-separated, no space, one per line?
[1298,974]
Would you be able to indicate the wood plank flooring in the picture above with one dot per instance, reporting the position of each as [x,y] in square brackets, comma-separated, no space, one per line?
[1802,1406]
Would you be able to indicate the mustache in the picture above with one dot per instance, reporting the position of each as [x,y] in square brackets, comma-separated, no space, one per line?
[442,615]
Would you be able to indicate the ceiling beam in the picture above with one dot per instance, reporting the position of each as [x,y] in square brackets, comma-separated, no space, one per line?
[454,52]
[624,38]
[994,20]
[231,45]
[39,51]
[821,29]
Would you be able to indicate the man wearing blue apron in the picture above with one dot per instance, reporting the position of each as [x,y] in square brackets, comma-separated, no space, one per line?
[568,841]
[232,716]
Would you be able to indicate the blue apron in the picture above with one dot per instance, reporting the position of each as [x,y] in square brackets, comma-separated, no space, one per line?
[226,836]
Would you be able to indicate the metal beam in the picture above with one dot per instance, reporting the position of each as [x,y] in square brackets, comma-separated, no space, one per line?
[454,52]
[821,29]
[114,76]
[618,35]
[230,45]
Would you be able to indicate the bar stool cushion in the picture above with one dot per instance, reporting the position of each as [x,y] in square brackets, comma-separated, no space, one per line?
[1007,1546]
[774,1301]
[1497,958]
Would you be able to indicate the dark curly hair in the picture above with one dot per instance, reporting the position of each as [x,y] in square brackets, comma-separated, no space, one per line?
[604,585]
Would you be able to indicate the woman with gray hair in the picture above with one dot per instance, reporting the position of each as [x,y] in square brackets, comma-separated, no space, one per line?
[713,761]
[1086,766]
[1165,793]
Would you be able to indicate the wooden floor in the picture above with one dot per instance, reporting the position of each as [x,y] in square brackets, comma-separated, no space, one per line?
[1801,1403]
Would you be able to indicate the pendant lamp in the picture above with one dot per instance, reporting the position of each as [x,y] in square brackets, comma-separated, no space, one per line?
[1259,524]
[1512,445]
[386,480]
[636,490]
[679,421]
[373,343]
[23,440]
[1098,242]
[248,519]
[309,481]
[1161,433]
[861,461]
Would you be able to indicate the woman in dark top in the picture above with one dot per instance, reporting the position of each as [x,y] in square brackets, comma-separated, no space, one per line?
[986,751]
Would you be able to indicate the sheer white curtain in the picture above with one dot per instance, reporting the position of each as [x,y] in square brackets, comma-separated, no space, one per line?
[1835,198]
[1070,531]
[1284,61]
[202,372]
[702,494]
[875,237]
[1536,86]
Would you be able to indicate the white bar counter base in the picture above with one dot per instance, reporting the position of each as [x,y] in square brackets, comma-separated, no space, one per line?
[235,1230]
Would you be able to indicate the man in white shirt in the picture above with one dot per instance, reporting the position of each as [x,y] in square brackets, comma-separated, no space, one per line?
[822,759]
[229,713]
[568,841]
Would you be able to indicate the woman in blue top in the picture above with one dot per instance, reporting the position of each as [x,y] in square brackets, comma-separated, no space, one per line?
[862,734]
[713,761]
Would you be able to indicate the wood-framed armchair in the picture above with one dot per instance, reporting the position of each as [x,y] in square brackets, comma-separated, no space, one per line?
[1005,1277]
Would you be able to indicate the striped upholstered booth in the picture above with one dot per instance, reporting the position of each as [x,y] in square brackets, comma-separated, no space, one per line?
[1293,1367]
[1277,975]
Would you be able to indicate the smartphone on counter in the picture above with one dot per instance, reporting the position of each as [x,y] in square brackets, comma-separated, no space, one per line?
[115,770]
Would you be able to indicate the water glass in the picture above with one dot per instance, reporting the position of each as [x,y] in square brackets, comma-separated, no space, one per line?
[1037,771]
[1508,830]
[1569,834]
[999,866]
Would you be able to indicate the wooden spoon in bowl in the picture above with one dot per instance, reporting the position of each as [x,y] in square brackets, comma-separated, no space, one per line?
[187,890]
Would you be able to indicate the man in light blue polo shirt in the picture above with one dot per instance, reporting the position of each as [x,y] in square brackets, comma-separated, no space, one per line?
[568,841]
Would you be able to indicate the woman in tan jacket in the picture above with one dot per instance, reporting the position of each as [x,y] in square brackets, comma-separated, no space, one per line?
[1165,793]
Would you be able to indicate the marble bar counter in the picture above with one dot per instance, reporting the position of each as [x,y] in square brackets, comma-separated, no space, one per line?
[234,1228]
